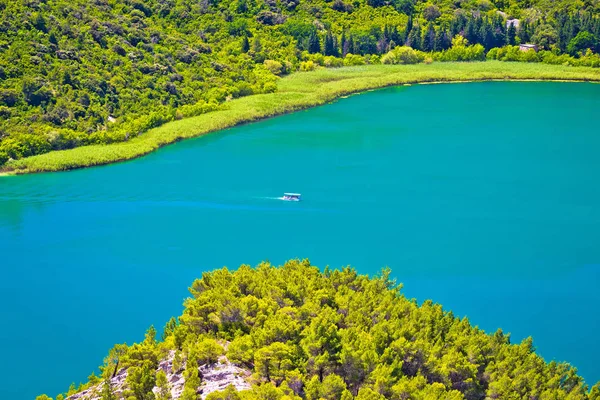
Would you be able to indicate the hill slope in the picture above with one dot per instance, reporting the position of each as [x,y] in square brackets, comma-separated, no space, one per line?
[80,72]
[332,335]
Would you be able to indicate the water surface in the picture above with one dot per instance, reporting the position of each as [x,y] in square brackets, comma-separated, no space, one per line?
[481,196]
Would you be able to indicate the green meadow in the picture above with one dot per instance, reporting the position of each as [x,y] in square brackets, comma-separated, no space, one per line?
[295,92]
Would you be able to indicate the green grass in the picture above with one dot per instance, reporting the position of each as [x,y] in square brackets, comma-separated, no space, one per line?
[297,91]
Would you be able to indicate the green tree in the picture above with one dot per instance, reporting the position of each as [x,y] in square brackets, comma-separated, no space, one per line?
[230,393]
[273,362]
[314,46]
[107,392]
[329,48]
[208,351]
[429,39]
[584,40]
[191,375]
[595,392]
[333,387]
[545,36]
[113,361]
[321,343]
[431,12]
[164,390]
[414,37]
[511,35]
[141,381]
[486,35]
[245,44]
[442,40]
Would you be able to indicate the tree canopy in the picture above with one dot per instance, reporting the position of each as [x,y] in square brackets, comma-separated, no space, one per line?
[307,334]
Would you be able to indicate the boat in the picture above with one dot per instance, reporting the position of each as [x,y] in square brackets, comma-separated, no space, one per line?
[291,197]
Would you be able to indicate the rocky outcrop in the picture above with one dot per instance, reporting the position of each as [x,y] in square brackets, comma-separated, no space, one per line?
[215,377]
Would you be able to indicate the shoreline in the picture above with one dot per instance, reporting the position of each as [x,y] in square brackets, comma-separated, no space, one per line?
[296,92]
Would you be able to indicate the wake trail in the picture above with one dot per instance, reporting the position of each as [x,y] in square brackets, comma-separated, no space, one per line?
[269,198]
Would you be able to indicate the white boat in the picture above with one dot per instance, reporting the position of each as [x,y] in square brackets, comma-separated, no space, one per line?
[291,197]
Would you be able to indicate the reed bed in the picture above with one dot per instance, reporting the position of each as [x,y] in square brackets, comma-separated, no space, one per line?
[295,92]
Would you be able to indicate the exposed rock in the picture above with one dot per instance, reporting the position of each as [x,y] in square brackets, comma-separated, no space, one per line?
[215,377]
[514,22]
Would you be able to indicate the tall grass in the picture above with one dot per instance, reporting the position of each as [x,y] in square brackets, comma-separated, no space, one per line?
[297,91]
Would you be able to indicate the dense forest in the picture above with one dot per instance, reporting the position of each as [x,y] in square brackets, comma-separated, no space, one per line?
[307,334]
[81,72]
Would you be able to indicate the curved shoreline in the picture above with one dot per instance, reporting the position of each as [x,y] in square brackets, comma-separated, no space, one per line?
[297,92]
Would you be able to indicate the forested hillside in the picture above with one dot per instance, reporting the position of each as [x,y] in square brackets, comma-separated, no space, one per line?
[81,72]
[331,335]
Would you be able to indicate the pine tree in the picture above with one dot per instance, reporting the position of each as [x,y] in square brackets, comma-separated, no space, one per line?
[407,30]
[499,31]
[429,40]
[414,38]
[336,46]
[164,392]
[471,32]
[313,43]
[344,43]
[355,46]
[350,45]
[524,33]
[256,45]
[394,35]
[486,36]
[329,48]
[457,25]
[107,391]
[245,49]
[192,379]
[511,35]
[442,41]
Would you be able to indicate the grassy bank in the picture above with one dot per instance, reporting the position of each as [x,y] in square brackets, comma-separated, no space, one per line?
[295,92]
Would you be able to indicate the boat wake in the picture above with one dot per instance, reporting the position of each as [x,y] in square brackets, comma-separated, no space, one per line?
[269,198]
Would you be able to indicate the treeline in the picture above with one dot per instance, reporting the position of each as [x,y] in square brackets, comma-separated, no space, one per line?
[307,334]
[563,34]
[78,72]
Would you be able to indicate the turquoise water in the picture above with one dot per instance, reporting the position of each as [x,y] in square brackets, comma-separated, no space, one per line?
[483,197]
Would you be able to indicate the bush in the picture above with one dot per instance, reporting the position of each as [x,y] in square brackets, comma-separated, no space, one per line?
[461,51]
[529,56]
[402,55]
[307,66]
[9,97]
[275,67]
[333,62]
[202,107]
[209,351]
[353,59]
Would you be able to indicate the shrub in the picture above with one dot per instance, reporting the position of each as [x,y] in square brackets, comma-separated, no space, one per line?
[529,56]
[9,97]
[275,67]
[307,66]
[353,59]
[333,62]
[461,51]
[402,55]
